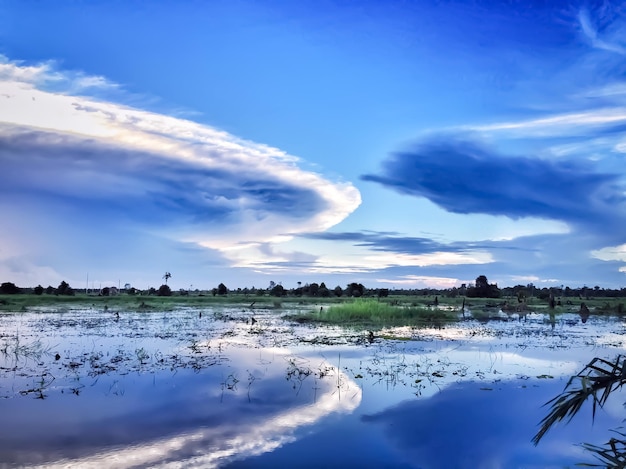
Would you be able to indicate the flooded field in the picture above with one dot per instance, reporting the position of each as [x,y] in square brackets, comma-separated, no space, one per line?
[231,387]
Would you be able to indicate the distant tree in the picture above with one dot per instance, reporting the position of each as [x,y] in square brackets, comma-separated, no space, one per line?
[313,289]
[338,291]
[278,290]
[355,290]
[221,289]
[152,291]
[64,289]
[383,292]
[167,276]
[544,294]
[50,290]
[8,288]
[482,289]
[323,291]
[520,292]
[38,290]
[164,290]
[106,291]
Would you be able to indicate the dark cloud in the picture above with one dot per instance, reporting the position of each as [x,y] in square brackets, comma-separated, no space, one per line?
[96,178]
[462,177]
[553,258]
[393,242]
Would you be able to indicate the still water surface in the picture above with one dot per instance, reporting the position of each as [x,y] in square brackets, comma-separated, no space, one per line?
[191,388]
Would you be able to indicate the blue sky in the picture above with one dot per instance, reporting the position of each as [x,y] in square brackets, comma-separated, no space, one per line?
[396,144]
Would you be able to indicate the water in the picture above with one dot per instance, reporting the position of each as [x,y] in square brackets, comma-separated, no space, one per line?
[86,388]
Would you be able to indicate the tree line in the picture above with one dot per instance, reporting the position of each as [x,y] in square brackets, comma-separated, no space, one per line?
[481,288]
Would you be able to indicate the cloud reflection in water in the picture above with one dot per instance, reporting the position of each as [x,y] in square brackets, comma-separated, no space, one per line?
[200,427]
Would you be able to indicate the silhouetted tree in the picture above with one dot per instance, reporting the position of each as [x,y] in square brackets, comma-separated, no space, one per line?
[482,289]
[164,290]
[167,276]
[64,289]
[338,291]
[8,288]
[38,290]
[278,290]
[221,289]
[355,289]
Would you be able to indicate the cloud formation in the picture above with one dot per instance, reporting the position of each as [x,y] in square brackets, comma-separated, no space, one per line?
[461,176]
[96,163]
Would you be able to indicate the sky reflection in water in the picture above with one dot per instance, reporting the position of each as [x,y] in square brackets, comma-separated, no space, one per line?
[177,390]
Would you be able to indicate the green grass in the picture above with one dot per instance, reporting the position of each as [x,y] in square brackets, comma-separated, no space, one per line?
[394,310]
[23,302]
[374,313]
[18,303]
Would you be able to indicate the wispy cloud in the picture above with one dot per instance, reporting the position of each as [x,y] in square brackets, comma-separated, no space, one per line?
[590,31]
[557,125]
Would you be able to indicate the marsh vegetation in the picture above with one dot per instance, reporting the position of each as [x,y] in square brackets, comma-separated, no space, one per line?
[320,365]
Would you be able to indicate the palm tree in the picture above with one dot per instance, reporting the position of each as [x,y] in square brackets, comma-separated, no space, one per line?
[166,277]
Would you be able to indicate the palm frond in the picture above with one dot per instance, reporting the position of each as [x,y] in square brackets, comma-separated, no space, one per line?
[612,454]
[597,380]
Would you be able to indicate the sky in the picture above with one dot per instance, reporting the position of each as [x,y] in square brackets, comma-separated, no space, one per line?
[395,144]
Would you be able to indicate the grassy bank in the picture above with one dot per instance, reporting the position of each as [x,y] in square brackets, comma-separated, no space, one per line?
[26,302]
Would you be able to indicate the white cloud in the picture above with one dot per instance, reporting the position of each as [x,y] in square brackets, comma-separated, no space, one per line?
[525,278]
[135,161]
[559,124]
[336,257]
[418,281]
[613,253]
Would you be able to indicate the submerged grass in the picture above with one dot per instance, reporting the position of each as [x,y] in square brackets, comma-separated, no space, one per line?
[370,312]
